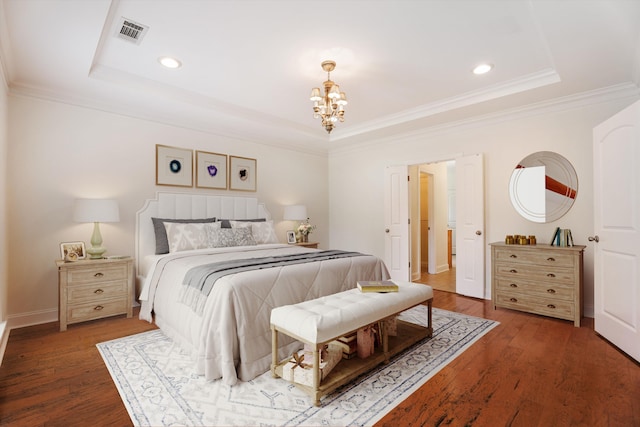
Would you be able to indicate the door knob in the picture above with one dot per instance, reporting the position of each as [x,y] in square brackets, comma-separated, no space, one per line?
[478,232]
[386,230]
[594,238]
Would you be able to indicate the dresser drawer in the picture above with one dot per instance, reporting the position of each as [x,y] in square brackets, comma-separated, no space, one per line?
[82,312]
[96,292]
[517,255]
[532,272]
[562,309]
[562,291]
[99,274]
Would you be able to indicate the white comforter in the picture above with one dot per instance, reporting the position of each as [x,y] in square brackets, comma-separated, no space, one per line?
[232,337]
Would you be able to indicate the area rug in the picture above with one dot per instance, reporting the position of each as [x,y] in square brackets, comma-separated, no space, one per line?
[157,385]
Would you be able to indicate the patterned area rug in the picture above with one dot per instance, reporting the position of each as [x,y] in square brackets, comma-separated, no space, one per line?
[155,380]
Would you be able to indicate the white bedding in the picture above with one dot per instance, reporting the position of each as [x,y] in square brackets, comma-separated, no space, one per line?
[232,338]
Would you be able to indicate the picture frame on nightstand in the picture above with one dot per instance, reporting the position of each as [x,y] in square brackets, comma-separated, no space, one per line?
[291,237]
[72,251]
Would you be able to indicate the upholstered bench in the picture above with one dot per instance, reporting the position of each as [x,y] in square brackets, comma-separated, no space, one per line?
[323,320]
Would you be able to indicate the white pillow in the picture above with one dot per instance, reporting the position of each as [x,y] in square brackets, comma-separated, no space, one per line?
[228,237]
[187,236]
[263,232]
[240,224]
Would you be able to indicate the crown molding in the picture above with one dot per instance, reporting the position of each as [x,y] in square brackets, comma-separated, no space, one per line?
[119,109]
[528,82]
[629,91]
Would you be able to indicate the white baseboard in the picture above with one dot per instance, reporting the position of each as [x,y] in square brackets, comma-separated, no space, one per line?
[33,318]
[4,338]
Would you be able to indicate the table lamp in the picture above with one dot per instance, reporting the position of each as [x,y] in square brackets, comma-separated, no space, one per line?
[295,213]
[96,211]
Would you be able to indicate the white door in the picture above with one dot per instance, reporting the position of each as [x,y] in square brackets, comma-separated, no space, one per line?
[396,221]
[616,177]
[470,241]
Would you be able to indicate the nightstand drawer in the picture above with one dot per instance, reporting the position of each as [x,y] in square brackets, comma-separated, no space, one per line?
[532,272]
[539,289]
[96,292]
[82,312]
[521,255]
[101,274]
[550,307]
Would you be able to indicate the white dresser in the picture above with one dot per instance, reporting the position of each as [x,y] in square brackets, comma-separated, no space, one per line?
[538,279]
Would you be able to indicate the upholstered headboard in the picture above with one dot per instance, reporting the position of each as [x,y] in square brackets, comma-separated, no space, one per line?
[189,206]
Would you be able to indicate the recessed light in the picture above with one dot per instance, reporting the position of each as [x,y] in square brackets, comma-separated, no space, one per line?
[482,68]
[169,62]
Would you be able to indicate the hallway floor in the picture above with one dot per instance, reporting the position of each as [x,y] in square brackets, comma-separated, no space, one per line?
[445,281]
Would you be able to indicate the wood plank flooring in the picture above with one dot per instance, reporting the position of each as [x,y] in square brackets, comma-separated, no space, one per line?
[529,371]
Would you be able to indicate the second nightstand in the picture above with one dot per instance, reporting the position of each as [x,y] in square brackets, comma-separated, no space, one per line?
[93,289]
[313,245]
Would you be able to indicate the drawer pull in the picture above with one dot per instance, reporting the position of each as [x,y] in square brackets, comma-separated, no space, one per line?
[513,299]
[513,256]
[551,259]
[551,275]
[551,306]
[513,270]
[551,291]
[98,275]
[98,307]
[513,285]
[98,291]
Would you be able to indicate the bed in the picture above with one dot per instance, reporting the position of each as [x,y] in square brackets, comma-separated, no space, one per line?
[227,329]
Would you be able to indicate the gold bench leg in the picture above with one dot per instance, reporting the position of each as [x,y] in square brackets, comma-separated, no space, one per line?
[274,351]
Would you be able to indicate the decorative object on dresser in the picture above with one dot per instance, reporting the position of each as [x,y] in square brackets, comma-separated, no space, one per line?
[93,289]
[174,166]
[540,279]
[242,173]
[96,211]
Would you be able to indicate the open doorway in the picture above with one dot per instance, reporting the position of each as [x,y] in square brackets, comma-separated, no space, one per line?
[432,207]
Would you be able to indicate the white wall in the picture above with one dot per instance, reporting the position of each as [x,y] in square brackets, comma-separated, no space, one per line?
[4,138]
[356,216]
[58,152]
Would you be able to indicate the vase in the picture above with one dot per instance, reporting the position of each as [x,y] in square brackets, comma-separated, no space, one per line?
[305,238]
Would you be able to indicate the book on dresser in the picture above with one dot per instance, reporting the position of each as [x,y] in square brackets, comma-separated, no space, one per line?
[377,286]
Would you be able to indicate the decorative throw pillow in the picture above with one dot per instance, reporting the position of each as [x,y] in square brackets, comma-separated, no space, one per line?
[226,223]
[186,236]
[162,246]
[228,237]
[263,232]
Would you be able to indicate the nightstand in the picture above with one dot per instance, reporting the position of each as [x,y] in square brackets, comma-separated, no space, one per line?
[93,289]
[313,245]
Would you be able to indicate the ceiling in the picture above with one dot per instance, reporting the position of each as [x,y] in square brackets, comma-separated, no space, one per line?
[249,66]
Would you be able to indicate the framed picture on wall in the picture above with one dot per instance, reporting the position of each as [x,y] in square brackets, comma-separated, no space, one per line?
[242,173]
[211,170]
[291,236]
[174,166]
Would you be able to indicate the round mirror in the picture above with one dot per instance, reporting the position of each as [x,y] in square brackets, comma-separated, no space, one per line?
[543,186]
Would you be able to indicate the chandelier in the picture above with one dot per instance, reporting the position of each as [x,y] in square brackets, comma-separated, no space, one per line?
[330,107]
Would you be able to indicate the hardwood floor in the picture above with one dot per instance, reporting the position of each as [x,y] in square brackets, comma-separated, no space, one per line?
[529,371]
[445,281]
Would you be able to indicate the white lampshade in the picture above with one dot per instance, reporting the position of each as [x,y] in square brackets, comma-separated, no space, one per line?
[295,213]
[96,210]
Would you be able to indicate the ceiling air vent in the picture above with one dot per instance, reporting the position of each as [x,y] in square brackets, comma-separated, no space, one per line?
[131,31]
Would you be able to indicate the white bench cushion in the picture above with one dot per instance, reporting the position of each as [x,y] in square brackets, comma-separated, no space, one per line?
[323,319]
